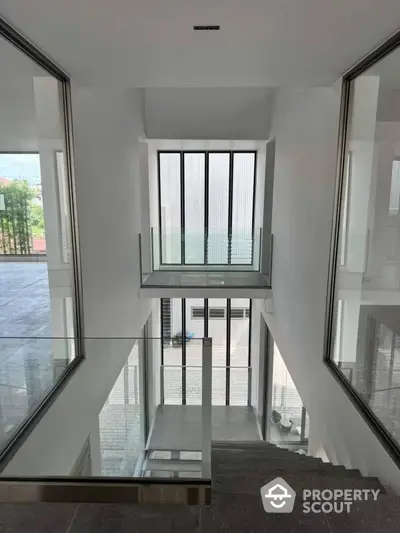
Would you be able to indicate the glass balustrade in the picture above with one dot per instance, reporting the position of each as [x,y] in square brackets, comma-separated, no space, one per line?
[240,259]
[111,417]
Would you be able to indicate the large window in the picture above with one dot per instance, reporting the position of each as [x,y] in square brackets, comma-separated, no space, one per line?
[364,314]
[206,207]
[38,288]
[183,323]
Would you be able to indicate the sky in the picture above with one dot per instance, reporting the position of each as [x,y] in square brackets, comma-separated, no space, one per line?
[20,166]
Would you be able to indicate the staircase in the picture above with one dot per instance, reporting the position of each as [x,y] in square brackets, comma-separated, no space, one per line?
[240,469]
[244,467]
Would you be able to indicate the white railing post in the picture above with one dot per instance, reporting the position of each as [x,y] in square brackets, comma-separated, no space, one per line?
[162,383]
[206,419]
[249,386]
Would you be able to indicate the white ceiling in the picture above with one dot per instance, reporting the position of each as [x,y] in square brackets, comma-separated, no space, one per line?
[208,113]
[150,43]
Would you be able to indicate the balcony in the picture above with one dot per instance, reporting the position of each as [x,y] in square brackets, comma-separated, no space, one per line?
[208,264]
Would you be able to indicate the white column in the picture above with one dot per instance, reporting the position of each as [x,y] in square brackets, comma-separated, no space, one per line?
[49,125]
[206,411]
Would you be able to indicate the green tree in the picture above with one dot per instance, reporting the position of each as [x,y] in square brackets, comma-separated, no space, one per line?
[37,220]
[15,221]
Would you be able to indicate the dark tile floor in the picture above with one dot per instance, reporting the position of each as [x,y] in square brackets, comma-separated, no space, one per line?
[227,514]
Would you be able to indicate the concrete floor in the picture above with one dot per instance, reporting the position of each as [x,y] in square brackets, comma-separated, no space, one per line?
[242,280]
[24,300]
[178,427]
[27,368]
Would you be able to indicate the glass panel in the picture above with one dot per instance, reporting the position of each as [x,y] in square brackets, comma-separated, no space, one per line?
[120,428]
[239,384]
[36,267]
[240,328]
[194,207]
[218,208]
[382,358]
[218,385]
[242,208]
[108,439]
[194,328]
[394,201]
[170,198]
[345,211]
[35,220]
[217,331]
[194,381]
[29,369]
[173,385]
[287,406]
[367,326]
[171,331]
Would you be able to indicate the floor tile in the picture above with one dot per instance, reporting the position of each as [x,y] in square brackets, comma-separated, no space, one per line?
[244,514]
[382,516]
[135,518]
[36,518]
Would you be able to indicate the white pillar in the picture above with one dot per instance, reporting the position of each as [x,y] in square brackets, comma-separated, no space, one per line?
[50,128]
[206,411]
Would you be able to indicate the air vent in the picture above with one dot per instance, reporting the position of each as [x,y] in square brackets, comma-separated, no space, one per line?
[206,28]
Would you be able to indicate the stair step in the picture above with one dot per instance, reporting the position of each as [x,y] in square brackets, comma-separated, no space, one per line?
[232,444]
[170,465]
[240,482]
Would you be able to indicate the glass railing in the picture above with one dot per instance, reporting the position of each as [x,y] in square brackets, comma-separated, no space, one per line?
[198,260]
[103,425]
[215,250]
[182,384]
[30,369]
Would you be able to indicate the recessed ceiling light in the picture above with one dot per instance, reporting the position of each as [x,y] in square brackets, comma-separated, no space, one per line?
[207,28]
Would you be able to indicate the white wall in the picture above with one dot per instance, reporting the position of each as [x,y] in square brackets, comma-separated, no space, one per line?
[305,125]
[208,113]
[107,128]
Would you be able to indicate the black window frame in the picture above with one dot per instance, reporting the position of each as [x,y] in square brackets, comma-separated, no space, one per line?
[227,317]
[377,427]
[206,205]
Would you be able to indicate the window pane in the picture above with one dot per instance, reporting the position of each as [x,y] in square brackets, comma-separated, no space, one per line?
[345,210]
[218,208]
[217,330]
[285,423]
[242,208]
[194,332]
[368,274]
[171,331]
[394,201]
[170,196]
[239,333]
[36,267]
[194,208]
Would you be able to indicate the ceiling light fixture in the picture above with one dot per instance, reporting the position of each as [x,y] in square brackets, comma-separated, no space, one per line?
[207,28]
